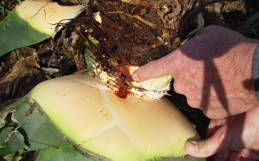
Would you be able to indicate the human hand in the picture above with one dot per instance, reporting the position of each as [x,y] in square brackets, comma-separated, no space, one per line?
[213,70]
[234,138]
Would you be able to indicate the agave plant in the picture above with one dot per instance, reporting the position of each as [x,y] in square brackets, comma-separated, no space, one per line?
[77,113]
[87,115]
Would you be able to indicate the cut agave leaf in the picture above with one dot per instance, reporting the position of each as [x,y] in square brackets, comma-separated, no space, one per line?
[33,21]
[91,119]
[133,128]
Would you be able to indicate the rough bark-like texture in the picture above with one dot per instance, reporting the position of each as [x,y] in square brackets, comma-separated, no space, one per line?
[136,32]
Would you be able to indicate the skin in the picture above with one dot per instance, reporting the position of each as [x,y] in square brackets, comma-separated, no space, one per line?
[214,71]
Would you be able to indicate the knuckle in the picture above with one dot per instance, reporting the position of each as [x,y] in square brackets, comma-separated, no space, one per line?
[215,113]
[179,86]
[209,113]
[193,103]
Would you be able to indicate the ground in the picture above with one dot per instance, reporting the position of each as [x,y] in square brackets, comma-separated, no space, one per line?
[132,32]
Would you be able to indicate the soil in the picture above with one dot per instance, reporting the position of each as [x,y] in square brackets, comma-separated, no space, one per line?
[132,32]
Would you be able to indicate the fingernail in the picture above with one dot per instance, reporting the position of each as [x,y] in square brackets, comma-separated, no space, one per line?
[135,78]
[194,146]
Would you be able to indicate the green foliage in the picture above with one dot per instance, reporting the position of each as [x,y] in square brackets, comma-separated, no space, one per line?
[19,28]
[93,40]
[16,33]
[65,153]
[13,142]
[3,9]
[26,128]
[90,58]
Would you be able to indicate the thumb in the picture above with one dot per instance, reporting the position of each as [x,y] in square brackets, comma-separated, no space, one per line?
[205,148]
[153,69]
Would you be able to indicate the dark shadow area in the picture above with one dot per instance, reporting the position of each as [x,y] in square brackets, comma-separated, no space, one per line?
[208,84]
[256,82]
[194,115]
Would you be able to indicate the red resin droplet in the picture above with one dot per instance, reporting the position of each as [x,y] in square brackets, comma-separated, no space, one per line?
[122,91]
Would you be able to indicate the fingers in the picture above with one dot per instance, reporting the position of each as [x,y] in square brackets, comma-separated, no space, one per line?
[206,148]
[250,154]
[234,133]
[217,123]
[230,155]
[215,111]
[156,68]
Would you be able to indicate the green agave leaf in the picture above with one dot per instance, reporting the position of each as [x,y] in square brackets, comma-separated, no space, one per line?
[13,142]
[38,131]
[4,135]
[16,33]
[197,159]
[67,153]
[13,157]
[2,118]
[33,21]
